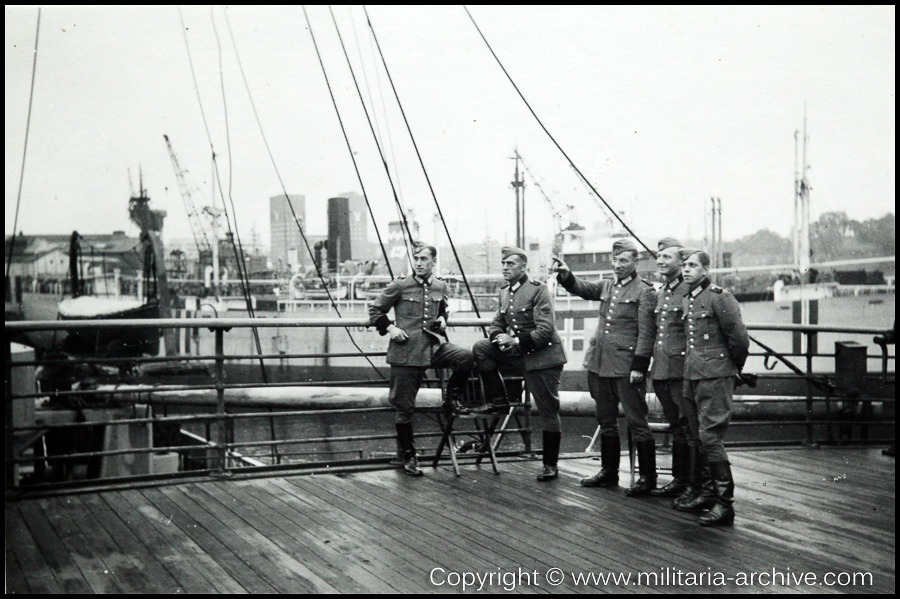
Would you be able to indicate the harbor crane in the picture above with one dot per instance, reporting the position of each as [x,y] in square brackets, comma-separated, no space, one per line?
[197,228]
[564,217]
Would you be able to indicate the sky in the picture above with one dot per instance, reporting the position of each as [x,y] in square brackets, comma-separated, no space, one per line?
[660,107]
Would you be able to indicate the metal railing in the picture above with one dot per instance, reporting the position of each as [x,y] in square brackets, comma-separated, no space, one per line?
[217,452]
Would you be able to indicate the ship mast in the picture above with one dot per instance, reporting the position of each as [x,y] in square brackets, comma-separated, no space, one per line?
[800,233]
[518,184]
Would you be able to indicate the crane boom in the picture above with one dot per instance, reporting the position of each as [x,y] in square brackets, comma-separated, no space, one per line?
[197,228]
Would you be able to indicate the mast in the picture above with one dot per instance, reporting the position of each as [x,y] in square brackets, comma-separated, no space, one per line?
[518,184]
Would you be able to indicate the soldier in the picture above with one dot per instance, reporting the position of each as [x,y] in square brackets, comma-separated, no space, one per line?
[616,361]
[420,305]
[717,347]
[523,337]
[667,371]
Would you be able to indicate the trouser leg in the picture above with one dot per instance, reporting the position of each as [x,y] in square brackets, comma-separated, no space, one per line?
[607,413]
[702,495]
[405,382]
[544,387]
[488,361]
[666,393]
[461,361]
[714,401]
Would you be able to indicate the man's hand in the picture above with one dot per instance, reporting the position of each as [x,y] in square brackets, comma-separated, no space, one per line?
[397,334]
[637,377]
[506,342]
[441,322]
[559,266]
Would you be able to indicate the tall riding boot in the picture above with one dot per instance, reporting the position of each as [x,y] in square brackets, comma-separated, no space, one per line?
[408,449]
[455,393]
[693,487]
[723,485]
[551,456]
[494,391]
[646,451]
[681,470]
[706,497]
[609,464]
[514,391]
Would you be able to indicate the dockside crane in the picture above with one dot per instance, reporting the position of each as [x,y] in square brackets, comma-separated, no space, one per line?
[564,217]
[197,229]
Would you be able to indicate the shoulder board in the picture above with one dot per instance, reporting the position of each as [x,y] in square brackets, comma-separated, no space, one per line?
[657,286]
[535,283]
[505,286]
[646,282]
[439,278]
[716,289]
[400,277]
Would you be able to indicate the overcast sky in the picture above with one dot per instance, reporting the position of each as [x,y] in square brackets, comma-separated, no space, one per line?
[660,107]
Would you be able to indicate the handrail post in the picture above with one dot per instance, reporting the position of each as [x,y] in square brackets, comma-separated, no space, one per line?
[810,441]
[8,421]
[221,429]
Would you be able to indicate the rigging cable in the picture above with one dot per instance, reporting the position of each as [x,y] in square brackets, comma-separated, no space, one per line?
[235,234]
[371,128]
[347,139]
[390,143]
[534,114]
[291,205]
[424,171]
[215,165]
[12,241]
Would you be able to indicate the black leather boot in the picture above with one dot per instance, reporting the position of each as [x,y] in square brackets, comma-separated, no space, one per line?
[609,464]
[408,449]
[706,497]
[455,393]
[693,486]
[681,471]
[514,391]
[646,451]
[551,456]
[723,485]
[494,391]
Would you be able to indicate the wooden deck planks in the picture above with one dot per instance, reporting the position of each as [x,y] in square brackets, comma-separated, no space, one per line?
[384,532]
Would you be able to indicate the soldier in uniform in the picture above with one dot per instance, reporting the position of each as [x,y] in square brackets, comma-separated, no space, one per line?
[717,347]
[617,360]
[523,337]
[667,370]
[420,305]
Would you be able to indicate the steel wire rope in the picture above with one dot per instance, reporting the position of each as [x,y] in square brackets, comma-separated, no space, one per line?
[387,171]
[288,200]
[559,147]
[235,234]
[12,239]
[424,170]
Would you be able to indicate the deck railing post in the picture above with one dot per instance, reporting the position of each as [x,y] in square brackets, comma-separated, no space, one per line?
[8,421]
[810,352]
[221,428]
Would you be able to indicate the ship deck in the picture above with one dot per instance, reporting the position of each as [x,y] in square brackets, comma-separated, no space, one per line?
[803,515]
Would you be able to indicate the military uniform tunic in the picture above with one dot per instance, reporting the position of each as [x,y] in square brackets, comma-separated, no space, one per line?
[526,312]
[667,369]
[623,342]
[417,305]
[717,347]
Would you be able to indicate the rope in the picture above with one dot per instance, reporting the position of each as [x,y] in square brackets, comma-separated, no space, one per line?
[239,248]
[12,241]
[534,114]
[288,200]
[424,171]
[371,128]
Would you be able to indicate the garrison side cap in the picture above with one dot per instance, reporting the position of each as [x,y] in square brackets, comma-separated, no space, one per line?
[508,251]
[623,245]
[668,242]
